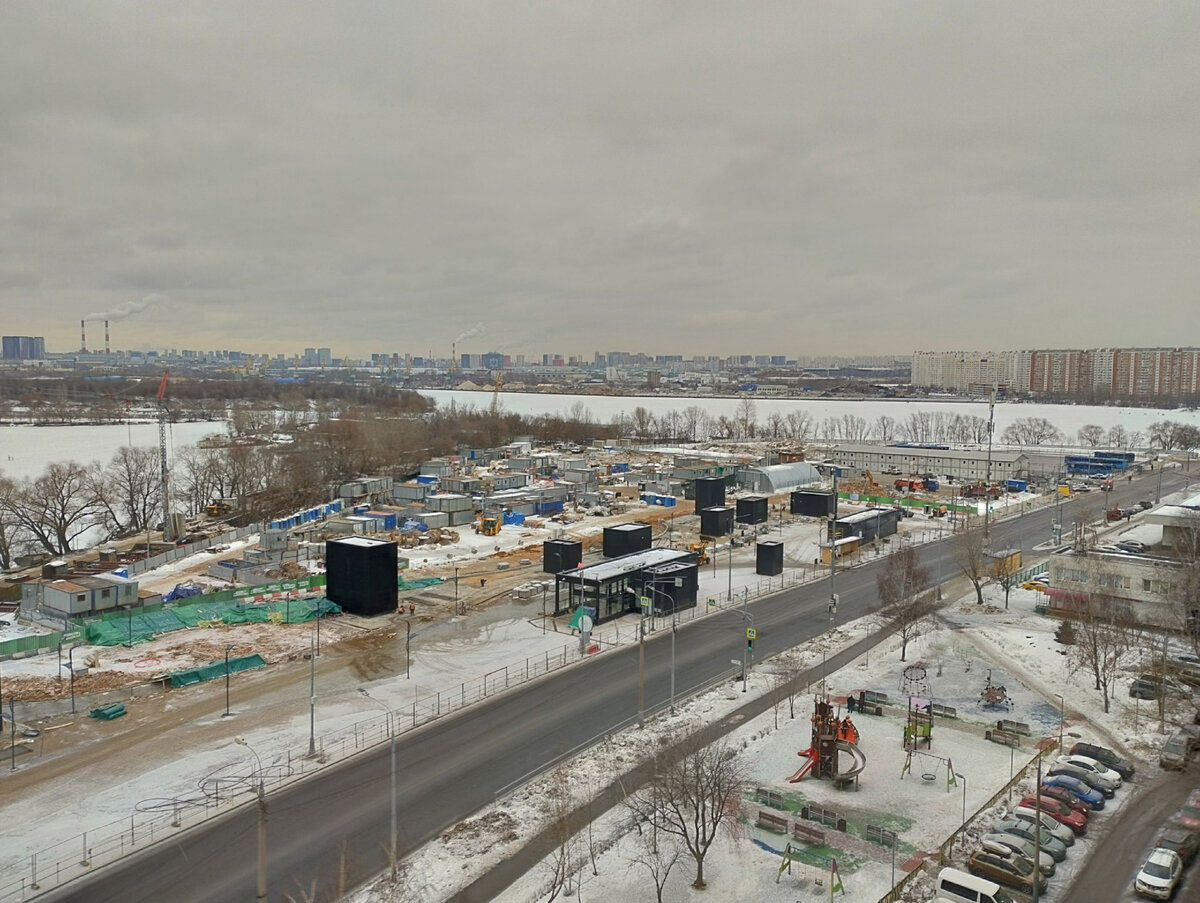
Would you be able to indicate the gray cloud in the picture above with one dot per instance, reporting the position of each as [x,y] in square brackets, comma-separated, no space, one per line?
[793,178]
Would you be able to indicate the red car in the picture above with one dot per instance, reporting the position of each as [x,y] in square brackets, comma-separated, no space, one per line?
[1060,812]
[1063,795]
[1189,815]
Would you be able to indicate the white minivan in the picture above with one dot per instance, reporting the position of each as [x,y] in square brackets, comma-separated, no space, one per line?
[954,886]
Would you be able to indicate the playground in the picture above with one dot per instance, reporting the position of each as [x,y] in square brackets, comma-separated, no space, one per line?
[840,782]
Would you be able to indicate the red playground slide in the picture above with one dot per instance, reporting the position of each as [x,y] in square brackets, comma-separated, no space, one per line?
[810,759]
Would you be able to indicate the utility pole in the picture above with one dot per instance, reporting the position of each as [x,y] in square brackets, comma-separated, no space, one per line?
[987,495]
[833,599]
[312,700]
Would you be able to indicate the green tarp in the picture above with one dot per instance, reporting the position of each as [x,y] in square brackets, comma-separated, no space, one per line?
[108,712]
[137,627]
[214,670]
[419,583]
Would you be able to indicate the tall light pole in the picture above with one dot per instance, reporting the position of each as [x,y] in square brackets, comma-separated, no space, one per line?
[312,700]
[641,712]
[227,648]
[262,821]
[1062,714]
[392,744]
[963,830]
[408,649]
[987,495]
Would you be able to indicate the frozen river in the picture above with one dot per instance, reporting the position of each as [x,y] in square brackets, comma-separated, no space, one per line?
[603,408]
[26,450]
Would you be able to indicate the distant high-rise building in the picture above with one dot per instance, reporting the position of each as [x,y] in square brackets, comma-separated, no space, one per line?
[24,348]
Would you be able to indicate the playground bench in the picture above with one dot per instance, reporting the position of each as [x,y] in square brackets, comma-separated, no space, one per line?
[772,822]
[944,711]
[875,698]
[769,798]
[881,836]
[1014,727]
[1008,738]
[807,834]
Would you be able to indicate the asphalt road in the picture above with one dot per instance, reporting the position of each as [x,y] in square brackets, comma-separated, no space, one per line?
[329,833]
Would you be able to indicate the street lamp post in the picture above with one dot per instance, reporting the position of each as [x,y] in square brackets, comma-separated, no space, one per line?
[963,830]
[392,753]
[312,701]
[227,648]
[262,821]
[407,649]
[71,668]
[1062,714]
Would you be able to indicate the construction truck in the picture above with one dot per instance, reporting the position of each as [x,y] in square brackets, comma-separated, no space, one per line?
[488,523]
[701,550]
[218,508]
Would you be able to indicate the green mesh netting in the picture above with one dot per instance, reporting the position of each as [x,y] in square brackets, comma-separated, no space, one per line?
[214,670]
[138,627]
[419,583]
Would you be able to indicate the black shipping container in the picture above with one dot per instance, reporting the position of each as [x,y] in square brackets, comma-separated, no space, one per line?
[716,521]
[811,503]
[561,555]
[769,559]
[753,509]
[625,539]
[709,492]
[659,586]
[361,573]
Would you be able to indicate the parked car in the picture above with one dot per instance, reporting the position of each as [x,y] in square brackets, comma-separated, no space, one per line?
[1176,752]
[1008,868]
[1144,689]
[1085,793]
[1145,505]
[1020,845]
[1092,765]
[1093,780]
[1189,815]
[1159,876]
[1063,795]
[953,886]
[1132,545]
[1180,840]
[1105,756]
[1062,832]
[1059,811]
[1022,828]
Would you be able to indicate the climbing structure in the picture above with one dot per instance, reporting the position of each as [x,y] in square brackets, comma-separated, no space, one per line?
[830,734]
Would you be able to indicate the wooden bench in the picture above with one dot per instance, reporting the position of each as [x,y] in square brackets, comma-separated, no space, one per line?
[943,711]
[808,834]
[1014,727]
[1008,738]
[772,822]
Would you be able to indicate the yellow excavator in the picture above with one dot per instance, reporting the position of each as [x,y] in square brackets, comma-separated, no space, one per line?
[488,523]
[701,550]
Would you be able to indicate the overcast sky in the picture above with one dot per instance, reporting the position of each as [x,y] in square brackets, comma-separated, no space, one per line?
[714,178]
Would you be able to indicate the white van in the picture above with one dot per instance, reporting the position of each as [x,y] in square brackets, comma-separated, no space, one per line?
[954,886]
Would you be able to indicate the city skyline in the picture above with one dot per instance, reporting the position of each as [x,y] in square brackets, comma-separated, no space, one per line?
[803,179]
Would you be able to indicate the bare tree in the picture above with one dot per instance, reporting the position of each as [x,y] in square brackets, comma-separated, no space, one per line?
[1117,436]
[746,419]
[968,555]
[1031,431]
[1104,637]
[799,425]
[694,793]
[561,862]
[885,428]
[903,606]
[10,527]
[58,507]
[692,416]
[1091,435]
[656,857]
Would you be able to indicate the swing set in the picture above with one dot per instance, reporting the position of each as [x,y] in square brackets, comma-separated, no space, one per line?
[930,768]
[793,854]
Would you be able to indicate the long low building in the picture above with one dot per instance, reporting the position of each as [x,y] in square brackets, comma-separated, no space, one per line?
[961,464]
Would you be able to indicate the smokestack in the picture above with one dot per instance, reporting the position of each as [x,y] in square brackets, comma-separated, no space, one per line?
[83,336]
[106,349]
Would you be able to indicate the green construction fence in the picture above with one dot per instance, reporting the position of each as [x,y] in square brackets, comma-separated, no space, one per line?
[141,627]
[214,670]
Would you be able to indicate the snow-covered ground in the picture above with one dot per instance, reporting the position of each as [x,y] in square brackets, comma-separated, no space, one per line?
[1015,646]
